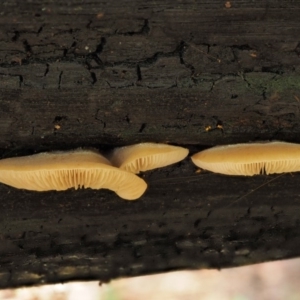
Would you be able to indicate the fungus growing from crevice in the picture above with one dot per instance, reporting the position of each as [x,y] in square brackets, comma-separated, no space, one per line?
[146,156]
[250,159]
[72,169]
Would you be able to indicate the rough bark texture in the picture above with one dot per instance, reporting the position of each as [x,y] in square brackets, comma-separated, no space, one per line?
[108,73]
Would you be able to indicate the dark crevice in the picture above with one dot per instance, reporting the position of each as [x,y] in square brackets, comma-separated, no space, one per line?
[94,77]
[113,86]
[178,51]
[248,70]
[40,29]
[208,47]
[59,79]
[98,117]
[47,70]
[151,60]
[273,69]
[297,49]
[100,46]
[16,36]
[242,47]
[20,80]
[197,222]
[89,24]
[60,118]
[235,56]
[97,60]
[127,119]
[181,50]
[143,31]
[242,75]
[143,126]
[70,50]
[139,73]
[70,31]
[27,47]
[95,55]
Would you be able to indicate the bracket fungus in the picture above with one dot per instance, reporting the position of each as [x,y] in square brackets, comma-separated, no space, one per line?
[146,156]
[73,169]
[250,159]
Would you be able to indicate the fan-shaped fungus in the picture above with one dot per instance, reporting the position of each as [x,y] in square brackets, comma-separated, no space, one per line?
[63,170]
[250,159]
[146,156]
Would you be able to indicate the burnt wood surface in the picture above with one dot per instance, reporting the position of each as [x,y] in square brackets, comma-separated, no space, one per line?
[109,73]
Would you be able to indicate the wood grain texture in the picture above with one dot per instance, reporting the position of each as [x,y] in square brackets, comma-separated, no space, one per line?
[109,73]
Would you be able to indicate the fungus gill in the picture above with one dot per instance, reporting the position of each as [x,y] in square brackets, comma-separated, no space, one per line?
[74,169]
[146,156]
[250,159]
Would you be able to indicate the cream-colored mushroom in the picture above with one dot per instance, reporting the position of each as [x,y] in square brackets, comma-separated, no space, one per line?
[146,156]
[250,159]
[74,169]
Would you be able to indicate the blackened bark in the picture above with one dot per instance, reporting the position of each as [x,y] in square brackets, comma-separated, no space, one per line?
[108,73]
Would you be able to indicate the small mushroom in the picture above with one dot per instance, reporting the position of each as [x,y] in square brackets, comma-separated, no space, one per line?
[73,169]
[146,156]
[250,159]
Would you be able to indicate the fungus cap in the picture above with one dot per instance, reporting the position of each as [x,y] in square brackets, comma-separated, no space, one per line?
[250,159]
[73,169]
[146,156]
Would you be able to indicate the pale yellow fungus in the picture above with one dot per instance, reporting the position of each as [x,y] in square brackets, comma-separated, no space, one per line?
[146,156]
[74,169]
[250,159]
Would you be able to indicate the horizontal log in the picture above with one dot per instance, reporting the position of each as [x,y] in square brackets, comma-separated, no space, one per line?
[109,73]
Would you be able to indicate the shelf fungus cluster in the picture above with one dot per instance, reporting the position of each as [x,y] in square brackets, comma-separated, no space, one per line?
[250,159]
[88,169]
